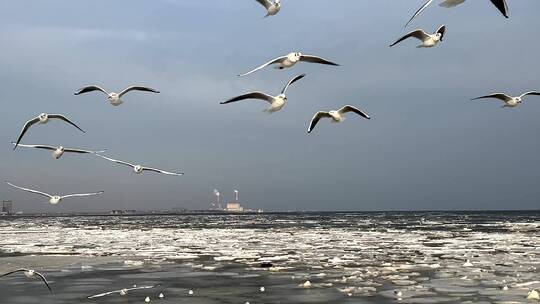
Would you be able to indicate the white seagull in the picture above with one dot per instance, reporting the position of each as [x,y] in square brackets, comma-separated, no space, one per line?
[54,199]
[60,150]
[290,60]
[499,4]
[43,118]
[336,116]
[427,39]
[138,168]
[272,8]
[276,102]
[114,98]
[30,273]
[509,101]
[122,292]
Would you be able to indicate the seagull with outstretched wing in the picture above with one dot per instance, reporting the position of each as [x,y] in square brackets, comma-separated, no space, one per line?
[290,60]
[54,199]
[60,150]
[335,115]
[428,40]
[30,273]
[138,168]
[276,102]
[115,98]
[509,101]
[43,118]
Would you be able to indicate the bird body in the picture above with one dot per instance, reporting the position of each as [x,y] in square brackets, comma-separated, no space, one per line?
[276,102]
[428,40]
[272,8]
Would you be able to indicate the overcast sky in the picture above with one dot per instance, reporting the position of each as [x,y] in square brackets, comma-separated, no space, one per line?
[426,147]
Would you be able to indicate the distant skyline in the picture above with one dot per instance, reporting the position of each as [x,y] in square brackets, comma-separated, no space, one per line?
[427,146]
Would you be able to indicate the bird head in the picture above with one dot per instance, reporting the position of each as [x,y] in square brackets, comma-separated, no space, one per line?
[138,169]
[518,99]
[42,116]
[123,292]
[61,149]
[282,96]
[277,2]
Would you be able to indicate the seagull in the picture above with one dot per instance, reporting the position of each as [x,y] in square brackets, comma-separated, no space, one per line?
[509,101]
[122,292]
[30,273]
[114,98]
[336,116]
[43,118]
[60,150]
[291,59]
[533,295]
[427,39]
[272,8]
[138,168]
[499,4]
[53,199]
[276,102]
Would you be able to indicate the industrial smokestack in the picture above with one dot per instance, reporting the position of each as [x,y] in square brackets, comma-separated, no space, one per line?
[236,194]
[217,194]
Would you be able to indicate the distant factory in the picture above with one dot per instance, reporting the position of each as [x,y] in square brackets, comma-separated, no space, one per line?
[233,206]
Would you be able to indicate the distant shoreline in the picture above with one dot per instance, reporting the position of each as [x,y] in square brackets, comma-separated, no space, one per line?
[222,213]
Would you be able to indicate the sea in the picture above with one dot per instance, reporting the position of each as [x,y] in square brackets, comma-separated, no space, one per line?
[356,257]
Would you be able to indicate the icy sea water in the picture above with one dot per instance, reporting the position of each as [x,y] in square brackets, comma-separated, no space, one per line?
[430,257]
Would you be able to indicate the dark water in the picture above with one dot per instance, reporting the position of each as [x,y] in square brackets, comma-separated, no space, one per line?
[345,257]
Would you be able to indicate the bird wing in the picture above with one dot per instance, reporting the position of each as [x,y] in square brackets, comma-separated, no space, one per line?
[451,3]
[295,79]
[116,160]
[349,108]
[25,128]
[138,88]
[267,4]
[84,151]
[500,96]
[419,11]
[420,34]
[502,6]
[251,95]
[273,61]
[90,88]
[316,59]
[441,30]
[36,146]
[103,294]
[14,271]
[530,93]
[316,119]
[161,171]
[44,280]
[29,190]
[62,117]
[81,194]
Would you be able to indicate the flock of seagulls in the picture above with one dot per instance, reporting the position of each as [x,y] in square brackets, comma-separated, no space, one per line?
[276,104]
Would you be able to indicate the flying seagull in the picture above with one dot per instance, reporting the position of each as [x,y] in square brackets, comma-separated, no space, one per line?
[60,150]
[427,39]
[336,116]
[276,102]
[509,101]
[122,292]
[30,273]
[114,98]
[53,199]
[291,59]
[43,118]
[499,4]
[272,8]
[138,168]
